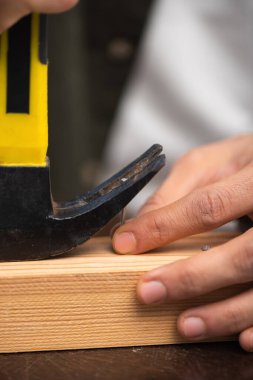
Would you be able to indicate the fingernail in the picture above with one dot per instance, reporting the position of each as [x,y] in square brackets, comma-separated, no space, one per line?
[194,327]
[124,242]
[152,292]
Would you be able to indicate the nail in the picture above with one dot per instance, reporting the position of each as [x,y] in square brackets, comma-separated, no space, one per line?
[152,292]
[114,228]
[194,327]
[124,242]
[117,225]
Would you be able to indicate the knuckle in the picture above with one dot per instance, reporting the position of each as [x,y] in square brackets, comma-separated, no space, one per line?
[233,317]
[210,207]
[188,280]
[243,260]
[158,231]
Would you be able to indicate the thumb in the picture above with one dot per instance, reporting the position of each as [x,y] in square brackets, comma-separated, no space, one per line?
[13,10]
[49,6]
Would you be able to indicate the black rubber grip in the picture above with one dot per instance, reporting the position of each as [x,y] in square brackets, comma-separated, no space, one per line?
[18,66]
[43,39]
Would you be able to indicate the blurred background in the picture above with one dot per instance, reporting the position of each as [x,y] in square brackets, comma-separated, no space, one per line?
[126,74]
[91,52]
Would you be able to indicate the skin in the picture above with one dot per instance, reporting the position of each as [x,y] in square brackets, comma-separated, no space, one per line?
[206,188]
[12,10]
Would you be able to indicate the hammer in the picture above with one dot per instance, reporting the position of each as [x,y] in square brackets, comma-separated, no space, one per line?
[32,225]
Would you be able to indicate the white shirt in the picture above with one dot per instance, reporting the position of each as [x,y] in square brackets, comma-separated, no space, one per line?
[192,84]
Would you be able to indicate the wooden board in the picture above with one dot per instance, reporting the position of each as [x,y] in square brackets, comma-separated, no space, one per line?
[88,300]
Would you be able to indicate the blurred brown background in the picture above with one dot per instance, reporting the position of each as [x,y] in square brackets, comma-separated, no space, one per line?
[91,52]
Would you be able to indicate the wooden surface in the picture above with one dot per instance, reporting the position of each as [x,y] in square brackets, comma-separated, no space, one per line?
[87,299]
[206,361]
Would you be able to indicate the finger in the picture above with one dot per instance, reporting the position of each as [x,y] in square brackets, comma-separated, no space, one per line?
[222,318]
[201,210]
[177,185]
[117,225]
[246,339]
[217,268]
[200,167]
[180,181]
[12,10]
[49,6]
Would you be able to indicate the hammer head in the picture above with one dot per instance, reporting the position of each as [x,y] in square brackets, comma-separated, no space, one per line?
[33,226]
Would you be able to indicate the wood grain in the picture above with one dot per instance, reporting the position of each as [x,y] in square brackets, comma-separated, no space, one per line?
[87,299]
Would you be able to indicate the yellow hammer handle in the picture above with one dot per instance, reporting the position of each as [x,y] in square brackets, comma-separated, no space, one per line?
[23,93]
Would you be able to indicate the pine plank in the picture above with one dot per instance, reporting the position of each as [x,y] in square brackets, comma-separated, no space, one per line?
[87,299]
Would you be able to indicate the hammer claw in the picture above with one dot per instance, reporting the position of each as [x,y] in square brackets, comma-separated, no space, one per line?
[34,228]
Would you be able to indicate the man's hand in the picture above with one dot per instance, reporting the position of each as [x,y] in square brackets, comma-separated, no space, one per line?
[12,10]
[208,187]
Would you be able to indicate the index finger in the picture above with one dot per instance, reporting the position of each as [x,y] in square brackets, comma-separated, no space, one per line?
[199,211]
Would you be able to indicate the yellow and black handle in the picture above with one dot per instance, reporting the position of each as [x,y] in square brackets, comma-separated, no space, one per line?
[32,225]
[23,93]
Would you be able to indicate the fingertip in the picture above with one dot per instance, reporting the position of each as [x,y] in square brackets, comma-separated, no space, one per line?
[151,292]
[124,242]
[139,292]
[180,328]
[180,323]
[192,327]
[246,340]
[50,6]
[117,226]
